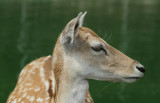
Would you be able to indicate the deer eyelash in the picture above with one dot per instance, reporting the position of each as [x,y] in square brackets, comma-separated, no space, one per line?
[99,48]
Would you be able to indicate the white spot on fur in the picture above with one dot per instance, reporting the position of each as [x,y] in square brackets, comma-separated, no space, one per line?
[39,99]
[36,90]
[32,63]
[47,58]
[19,99]
[88,100]
[14,101]
[11,96]
[20,91]
[53,82]
[28,97]
[23,72]
[33,72]
[47,86]
[47,98]
[9,100]
[42,73]
[54,60]
[43,78]
[32,99]
[21,87]
[28,84]
[24,95]
[29,88]
[20,80]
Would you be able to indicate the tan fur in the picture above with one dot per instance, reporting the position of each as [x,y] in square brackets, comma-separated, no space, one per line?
[117,62]
[30,74]
[49,79]
[83,30]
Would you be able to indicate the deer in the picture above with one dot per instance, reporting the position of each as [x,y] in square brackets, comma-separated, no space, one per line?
[79,55]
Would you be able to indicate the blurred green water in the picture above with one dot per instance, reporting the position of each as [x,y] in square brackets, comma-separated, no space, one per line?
[29,29]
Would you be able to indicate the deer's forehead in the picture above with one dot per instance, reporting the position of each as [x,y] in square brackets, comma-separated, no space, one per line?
[83,31]
[90,36]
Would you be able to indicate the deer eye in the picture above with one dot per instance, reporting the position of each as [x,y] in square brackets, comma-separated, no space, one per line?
[99,48]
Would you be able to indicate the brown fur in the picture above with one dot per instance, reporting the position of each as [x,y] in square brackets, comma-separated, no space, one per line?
[83,30]
[48,78]
[35,79]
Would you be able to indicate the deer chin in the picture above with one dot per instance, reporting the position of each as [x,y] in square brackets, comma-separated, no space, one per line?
[123,79]
[130,79]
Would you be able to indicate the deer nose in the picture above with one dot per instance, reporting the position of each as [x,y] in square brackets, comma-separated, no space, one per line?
[141,69]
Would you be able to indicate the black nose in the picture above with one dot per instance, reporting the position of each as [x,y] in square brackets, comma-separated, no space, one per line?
[141,69]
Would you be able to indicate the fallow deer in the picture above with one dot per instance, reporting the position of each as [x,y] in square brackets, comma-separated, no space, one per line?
[79,54]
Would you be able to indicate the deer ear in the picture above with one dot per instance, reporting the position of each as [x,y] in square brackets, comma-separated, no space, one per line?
[71,30]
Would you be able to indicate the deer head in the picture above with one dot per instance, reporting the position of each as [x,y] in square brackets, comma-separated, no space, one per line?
[90,57]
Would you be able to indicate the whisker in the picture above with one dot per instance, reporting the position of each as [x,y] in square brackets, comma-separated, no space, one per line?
[107,36]
[98,93]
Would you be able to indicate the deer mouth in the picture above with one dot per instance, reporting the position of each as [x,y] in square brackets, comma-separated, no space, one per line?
[132,77]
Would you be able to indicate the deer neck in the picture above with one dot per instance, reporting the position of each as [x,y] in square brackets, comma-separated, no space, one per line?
[70,87]
[72,90]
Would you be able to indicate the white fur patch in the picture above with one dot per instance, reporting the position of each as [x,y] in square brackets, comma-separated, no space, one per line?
[37,89]
[47,98]
[28,84]
[32,99]
[32,63]
[53,82]
[46,83]
[19,99]
[47,57]
[88,100]
[15,100]
[28,97]
[21,87]
[39,99]
[24,95]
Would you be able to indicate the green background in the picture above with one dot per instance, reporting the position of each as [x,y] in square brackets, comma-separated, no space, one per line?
[29,29]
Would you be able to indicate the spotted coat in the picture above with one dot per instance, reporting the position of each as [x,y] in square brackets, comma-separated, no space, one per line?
[36,84]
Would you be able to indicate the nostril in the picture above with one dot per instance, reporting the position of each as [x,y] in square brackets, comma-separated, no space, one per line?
[141,69]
